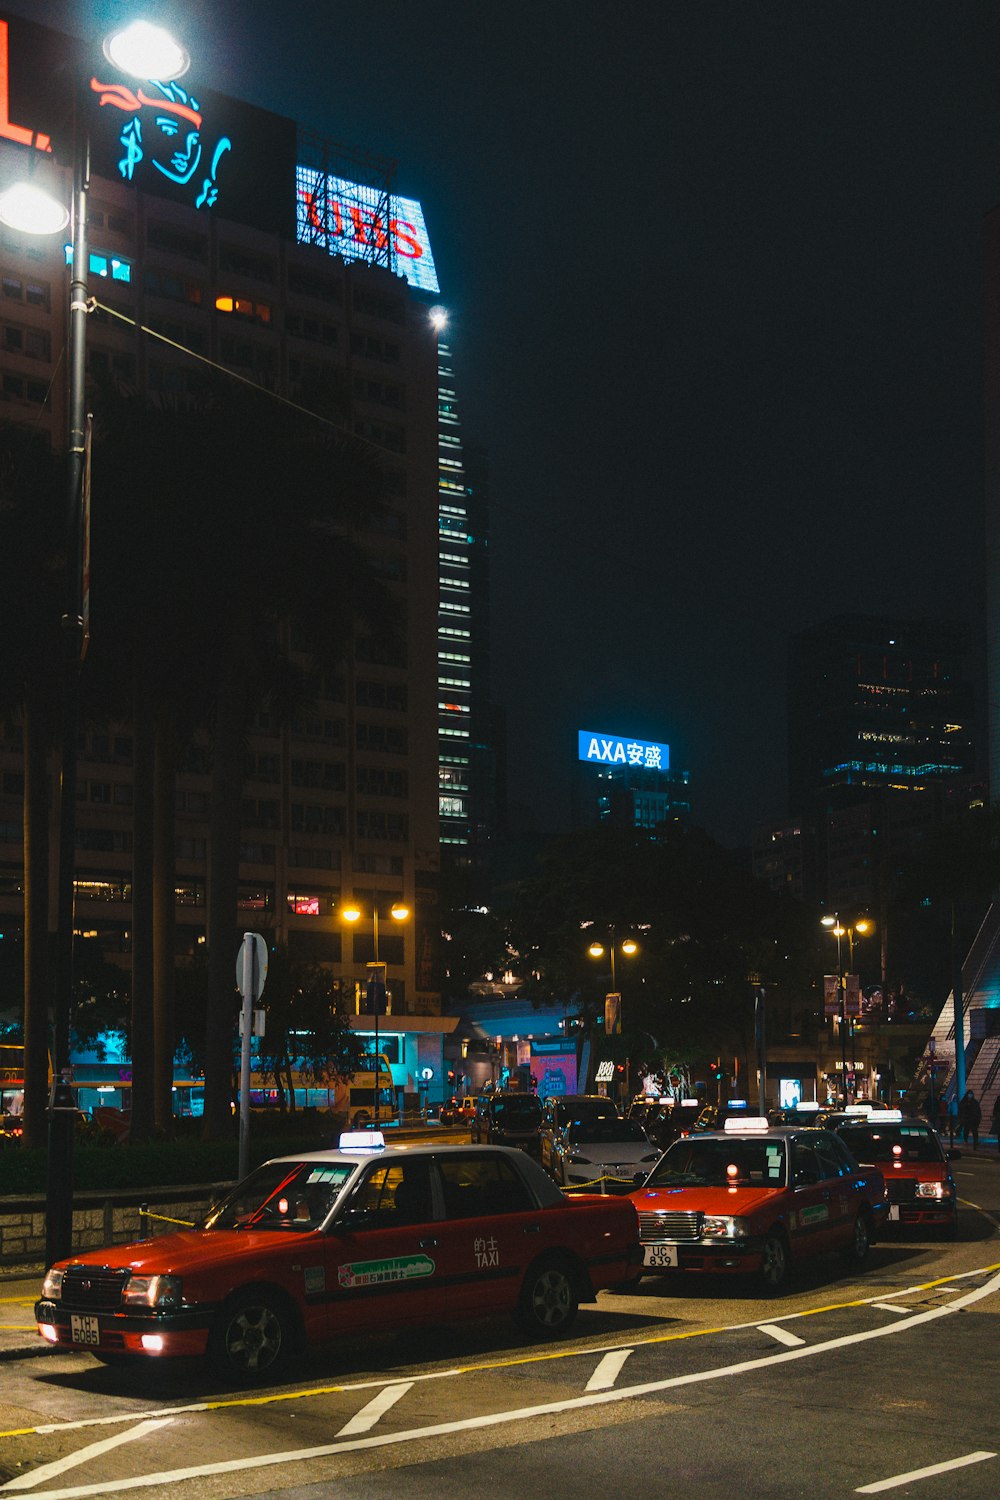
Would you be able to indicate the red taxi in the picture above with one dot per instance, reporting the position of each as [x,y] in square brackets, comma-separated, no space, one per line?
[919,1187]
[311,1247]
[757,1199]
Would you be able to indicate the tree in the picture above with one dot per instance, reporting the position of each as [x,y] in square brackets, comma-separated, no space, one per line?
[241,541]
[32,569]
[304,1030]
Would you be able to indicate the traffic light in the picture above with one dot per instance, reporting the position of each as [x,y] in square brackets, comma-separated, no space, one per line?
[717,1071]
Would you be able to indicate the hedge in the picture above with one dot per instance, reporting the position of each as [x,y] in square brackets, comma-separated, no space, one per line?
[106,1166]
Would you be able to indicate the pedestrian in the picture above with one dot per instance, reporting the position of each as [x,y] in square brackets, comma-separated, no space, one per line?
[952,1120]
[995,1120]
[969,1116]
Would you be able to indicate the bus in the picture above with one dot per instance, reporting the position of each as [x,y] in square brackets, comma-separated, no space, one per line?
[353,1097]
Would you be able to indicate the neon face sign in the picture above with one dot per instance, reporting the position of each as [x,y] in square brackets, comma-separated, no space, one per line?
[165,126]
[350,220]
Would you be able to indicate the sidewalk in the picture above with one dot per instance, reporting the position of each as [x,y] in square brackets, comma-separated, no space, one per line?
[19,1291]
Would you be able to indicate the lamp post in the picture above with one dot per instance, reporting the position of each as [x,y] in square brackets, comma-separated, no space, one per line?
[861,926]
[376,985]
[612,1001]
[146,52]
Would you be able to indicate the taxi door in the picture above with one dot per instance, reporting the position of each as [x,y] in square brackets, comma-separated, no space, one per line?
[812,1218]
[380,1254]
[490,1232]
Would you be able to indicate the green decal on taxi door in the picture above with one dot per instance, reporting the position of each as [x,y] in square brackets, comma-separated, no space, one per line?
[379,1272]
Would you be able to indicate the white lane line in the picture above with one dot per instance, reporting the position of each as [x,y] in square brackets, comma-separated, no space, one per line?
[928,1473]
[502,1418]
[608,1370]
[790,1340]
[891,1307]
[82,1456]
[375,1409]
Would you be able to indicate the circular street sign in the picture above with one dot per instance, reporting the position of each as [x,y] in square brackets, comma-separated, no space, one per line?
[426,1074]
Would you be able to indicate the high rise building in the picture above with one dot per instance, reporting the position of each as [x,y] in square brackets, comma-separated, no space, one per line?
[628,783]
[467,774]
[282,260]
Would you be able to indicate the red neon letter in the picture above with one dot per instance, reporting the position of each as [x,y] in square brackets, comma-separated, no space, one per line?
[406,244]
[14,132]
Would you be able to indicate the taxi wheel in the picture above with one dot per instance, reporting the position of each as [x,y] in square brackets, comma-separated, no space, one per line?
[856,1252]
[774,1262]
[252,1337]
[549,1299]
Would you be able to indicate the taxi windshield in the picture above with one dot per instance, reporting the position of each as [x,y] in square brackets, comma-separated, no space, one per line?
[721,1163]
[283,1195]
[886,1143]
[594,1131]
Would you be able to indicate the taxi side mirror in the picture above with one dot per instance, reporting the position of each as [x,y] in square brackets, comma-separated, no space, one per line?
[953,1155]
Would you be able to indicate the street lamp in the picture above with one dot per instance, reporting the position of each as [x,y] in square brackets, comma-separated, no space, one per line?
[377,971]
[861,926]
[612,1001]
[145,52]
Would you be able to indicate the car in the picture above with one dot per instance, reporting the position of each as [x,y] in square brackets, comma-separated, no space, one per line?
[458,1111]
[312,1247]
[508,1119]
[714,1116]
[560,1109]
[920,1189]
[602,1153]
[757,1199]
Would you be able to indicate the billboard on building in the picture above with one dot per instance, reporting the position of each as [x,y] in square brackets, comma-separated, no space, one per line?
[615,750]
[359,222]
[178,140]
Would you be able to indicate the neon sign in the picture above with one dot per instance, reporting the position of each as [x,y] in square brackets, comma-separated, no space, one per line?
[350,220]
[612,750]
[165,125]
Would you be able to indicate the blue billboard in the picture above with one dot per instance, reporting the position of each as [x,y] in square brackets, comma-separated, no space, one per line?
[616,750]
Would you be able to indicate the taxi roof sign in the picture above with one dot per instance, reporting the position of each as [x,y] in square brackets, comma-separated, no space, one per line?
[858,1109]
[886,1117]
[361,1140]
[743,1123]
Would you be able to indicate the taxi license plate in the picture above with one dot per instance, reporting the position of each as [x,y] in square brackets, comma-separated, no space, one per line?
[659,1256]
[894,1213]
[84,1330]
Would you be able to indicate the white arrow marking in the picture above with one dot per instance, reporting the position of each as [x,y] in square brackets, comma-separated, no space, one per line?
[608,1370]
[928,1473]
[781,1334]
[375,1409]
[93,1450]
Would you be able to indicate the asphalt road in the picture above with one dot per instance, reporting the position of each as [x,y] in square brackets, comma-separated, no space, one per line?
[884,1383]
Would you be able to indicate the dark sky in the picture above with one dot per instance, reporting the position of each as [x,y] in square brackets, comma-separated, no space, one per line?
[715,287]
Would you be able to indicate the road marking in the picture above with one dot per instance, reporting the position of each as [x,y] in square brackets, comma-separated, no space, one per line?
[83,1455]
[781,1334]
[608,1370]
[932,1469]
[891,1307]
[523,1414]
[375,1409]
[47,1429]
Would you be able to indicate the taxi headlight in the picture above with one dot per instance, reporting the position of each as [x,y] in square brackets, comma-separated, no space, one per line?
[723,1227]
[933,1190]
[152,1291]
[52,1285]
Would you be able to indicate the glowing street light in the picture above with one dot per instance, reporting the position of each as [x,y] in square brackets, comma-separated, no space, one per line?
[840,930]
[353,913]
[146,52]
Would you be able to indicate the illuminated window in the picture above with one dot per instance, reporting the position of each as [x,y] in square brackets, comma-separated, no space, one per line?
[101,264]
[243,307]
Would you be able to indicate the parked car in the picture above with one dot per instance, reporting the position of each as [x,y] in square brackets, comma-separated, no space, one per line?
[560,1109]
[311,1247]
[601,1153]
[458,1111]
[508,1119]
[920,1189]
[757,1199]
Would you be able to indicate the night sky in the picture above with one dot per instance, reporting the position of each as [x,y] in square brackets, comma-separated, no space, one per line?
[715,290]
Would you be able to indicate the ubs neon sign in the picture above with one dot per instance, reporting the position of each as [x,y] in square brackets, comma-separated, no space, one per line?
[612,750]
[351,220]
